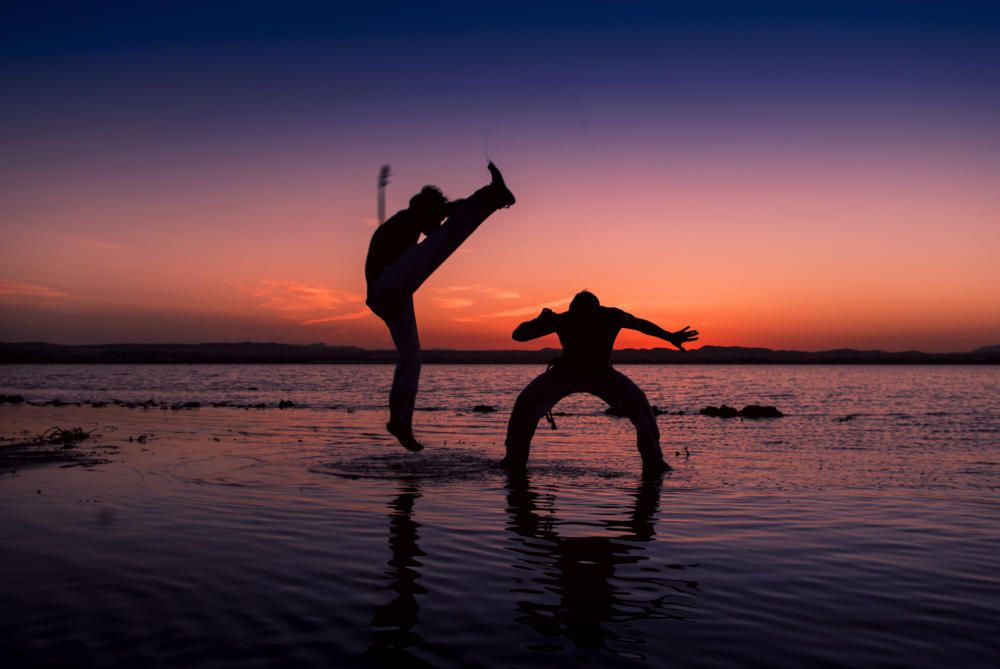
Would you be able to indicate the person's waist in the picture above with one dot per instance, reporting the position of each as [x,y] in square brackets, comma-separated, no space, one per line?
[582,365]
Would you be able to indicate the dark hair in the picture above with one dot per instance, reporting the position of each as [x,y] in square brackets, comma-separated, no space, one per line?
[584,301]
[429,198]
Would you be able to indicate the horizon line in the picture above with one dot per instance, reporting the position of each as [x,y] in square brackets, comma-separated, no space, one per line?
[492,350]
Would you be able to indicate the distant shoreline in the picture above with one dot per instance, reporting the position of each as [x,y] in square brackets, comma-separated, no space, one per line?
[271,353]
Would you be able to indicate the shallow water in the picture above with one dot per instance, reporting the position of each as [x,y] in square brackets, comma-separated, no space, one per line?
[304,537]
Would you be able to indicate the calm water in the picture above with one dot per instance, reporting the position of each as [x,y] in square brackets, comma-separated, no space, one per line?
[303,537]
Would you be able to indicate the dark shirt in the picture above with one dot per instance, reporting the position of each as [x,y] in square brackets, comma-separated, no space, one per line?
[587,337]
[390,241]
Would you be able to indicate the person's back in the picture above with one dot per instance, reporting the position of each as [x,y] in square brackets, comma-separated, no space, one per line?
[588,337]
[388,242]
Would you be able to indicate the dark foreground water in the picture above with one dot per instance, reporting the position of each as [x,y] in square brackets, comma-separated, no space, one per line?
[304,537]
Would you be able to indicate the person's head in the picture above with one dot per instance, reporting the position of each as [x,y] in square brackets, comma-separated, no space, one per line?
[431,206]
[583,302]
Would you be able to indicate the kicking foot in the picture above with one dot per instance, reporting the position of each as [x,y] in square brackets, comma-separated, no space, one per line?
[654,469]
[504,197]
[405,436]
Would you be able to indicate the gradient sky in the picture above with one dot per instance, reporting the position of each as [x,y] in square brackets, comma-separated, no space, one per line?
[791,175]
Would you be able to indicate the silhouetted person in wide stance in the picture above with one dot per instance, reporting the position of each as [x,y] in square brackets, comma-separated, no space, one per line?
[587,333]
[397,266]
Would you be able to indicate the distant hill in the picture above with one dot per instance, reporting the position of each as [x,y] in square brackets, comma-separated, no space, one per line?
[253,352]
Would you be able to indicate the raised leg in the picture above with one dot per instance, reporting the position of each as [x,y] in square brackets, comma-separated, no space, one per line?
[417,263]
[534,401]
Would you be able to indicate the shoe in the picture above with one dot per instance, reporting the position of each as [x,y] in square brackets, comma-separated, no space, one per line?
[405,436]
[504,197]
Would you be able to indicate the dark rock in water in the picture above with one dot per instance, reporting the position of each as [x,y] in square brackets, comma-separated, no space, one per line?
[186,405]
[848,417]
[286,404]
[58,403]
[758,411]
[484,408]
[751,411]
[11,399]
[98,405]
[56,435]
[617,412]
[723,411]
[220,404]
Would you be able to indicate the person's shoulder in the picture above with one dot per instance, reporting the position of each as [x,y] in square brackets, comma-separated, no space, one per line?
[614,313]
[616,317]
[393,226]
[400,218]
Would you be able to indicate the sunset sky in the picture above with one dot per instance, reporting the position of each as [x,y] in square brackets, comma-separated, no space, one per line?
[804,175]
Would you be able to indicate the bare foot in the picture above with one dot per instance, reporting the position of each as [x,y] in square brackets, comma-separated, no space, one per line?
[405,436]
[513,467]
[654,469]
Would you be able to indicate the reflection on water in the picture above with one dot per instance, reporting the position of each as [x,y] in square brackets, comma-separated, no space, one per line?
[591,599]
[564,588]
[393,622]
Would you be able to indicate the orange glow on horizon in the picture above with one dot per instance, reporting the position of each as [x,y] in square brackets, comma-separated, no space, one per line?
[862,253]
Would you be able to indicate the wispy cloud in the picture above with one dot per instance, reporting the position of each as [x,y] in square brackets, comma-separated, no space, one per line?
[20,289]
[309,302]
[532,310]
[463,297]
[453,302]
[354,315]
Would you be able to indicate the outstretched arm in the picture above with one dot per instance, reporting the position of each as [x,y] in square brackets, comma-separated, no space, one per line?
[678,338]
[544,324]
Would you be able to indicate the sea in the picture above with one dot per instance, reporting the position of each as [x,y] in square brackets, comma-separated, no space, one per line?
[210,528]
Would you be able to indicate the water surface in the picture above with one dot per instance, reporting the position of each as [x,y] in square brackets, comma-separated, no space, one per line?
[304,537]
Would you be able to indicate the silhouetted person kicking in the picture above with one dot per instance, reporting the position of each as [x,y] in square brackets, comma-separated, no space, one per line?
[587,333]
[397,266]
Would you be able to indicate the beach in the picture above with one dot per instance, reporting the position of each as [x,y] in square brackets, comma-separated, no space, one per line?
[859,529]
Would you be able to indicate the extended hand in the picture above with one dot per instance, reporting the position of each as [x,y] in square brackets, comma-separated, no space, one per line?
[682,337]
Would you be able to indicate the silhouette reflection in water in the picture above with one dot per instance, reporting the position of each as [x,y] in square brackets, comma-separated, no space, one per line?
[393,622]
[579,593]
[578,588]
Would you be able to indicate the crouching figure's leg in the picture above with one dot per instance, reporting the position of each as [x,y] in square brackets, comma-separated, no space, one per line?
[619,391]
[535,401]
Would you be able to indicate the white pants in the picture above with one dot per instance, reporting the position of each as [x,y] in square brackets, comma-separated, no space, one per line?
[391,296]
[610,385]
